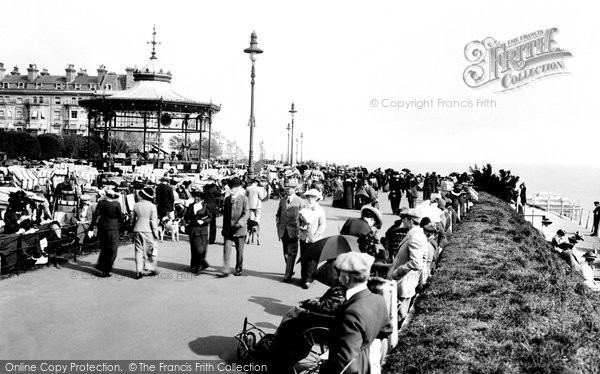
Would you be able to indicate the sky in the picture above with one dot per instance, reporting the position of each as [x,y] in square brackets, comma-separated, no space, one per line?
[343,63]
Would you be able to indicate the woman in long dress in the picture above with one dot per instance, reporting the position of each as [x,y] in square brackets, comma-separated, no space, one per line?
[107,218]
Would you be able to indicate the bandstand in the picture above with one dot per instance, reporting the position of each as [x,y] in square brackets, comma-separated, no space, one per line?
[152,108]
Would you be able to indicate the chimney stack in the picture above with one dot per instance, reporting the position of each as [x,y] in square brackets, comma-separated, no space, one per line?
[44,72]
[32,72]
[82,72]
[129,81]
[101,73]
[15,71]
[70,73]
[2,70]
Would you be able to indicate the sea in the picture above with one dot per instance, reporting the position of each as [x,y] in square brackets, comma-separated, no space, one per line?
[578,183]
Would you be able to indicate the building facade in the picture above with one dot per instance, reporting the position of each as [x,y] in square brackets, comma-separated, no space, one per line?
[38,102]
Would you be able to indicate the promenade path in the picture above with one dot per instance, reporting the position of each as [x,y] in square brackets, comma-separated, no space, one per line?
[70,313]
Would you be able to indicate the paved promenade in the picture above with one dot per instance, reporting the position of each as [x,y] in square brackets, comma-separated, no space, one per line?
[70,313]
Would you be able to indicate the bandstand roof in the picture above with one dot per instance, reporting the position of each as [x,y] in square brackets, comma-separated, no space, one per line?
[151,92]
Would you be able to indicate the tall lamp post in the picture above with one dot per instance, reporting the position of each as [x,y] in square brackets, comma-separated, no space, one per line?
[293,111]
[253,51]
[287,155]
[301,147]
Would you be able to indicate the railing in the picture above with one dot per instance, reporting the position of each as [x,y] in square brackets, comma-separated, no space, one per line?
[562,207]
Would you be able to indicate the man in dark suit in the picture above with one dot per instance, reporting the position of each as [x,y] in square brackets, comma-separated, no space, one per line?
[212,192]
[287,227]
[165,199]
[197,217]
[596,218]
[360,320]
[235,217]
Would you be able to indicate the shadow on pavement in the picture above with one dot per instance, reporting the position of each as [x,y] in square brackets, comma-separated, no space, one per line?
[222,346]
[166,265]
[82,266]
[271,305]
[271,276]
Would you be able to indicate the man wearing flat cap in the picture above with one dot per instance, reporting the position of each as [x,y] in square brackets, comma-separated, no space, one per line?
[359,321]
[410,259]
[287,219]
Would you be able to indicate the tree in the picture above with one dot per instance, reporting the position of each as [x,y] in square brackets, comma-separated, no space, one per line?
[51,146]
[215,148]
[20,144]
[501,185]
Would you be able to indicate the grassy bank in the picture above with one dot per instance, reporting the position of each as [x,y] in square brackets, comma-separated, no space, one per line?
[501,302]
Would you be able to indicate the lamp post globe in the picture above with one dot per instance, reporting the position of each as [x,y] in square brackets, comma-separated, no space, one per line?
[292,111]
[252,51]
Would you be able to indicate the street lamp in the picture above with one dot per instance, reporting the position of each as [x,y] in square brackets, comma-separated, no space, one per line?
[253,51]
[287,155]
[293,111]
[301,147]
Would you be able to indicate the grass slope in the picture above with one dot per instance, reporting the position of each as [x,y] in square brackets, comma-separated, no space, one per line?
[501,302]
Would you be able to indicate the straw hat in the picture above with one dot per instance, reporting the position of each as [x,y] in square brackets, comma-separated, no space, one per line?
[369,211]
[314,192]
[147,193]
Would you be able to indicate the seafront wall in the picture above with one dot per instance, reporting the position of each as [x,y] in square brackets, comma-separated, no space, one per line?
[500,301]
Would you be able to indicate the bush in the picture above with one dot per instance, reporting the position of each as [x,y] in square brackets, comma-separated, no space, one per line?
[501,185]
[51,146]
[500,301]
[20,144]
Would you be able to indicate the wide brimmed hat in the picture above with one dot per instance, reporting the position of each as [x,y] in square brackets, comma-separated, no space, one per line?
[314,192]
[369,211]
[590,256]
[112,194]
[234,182]
[561,232]
[411,213]
[546,221]
[147,193]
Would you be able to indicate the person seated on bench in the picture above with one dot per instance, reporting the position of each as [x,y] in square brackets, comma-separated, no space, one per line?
[587,271]
[285,347]
[361,320]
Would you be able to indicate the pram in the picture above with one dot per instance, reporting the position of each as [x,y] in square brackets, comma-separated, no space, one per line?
[310,350]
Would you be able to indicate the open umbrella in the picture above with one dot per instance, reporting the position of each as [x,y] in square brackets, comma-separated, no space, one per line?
[326,273]
[329,248]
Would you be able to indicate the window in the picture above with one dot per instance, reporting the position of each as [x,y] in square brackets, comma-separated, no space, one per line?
[20,85]
[73,114]
[92,87]
[108,87]
[9,114]
[1,99]
[19,113]
[5,85]
[56,114]
[58,86]
[57,100]
[73,101]
[34,114]
[38,86]
[35,99]
[42,114]
[19,100]
[1,114]
[41,99]
[77,86]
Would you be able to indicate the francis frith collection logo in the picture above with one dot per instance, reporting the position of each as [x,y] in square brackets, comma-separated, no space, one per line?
[514,63]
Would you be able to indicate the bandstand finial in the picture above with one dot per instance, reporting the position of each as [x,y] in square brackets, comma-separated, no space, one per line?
[154,43]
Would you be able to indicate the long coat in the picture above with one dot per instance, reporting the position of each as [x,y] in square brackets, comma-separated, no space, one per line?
[360,320]
[164,199]
[409,262]
[287,216]
[191,219]
[235,216]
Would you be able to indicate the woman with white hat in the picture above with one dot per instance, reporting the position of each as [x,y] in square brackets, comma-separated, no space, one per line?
[107,217]
[311,228]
